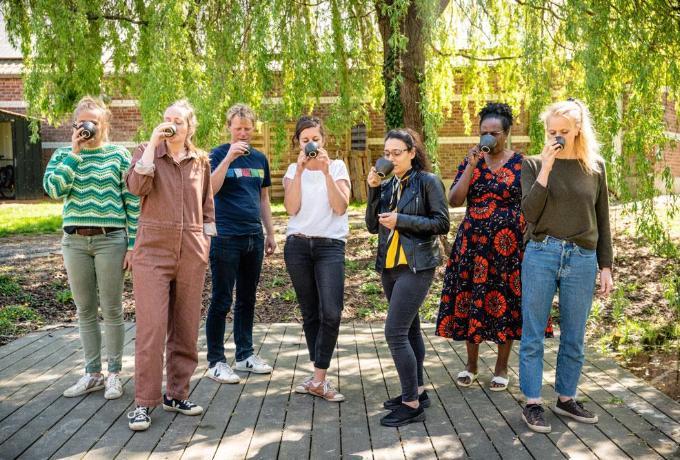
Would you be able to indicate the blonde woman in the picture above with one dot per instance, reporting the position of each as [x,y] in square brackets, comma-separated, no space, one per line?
[565,203]
[100,220]
[170,259]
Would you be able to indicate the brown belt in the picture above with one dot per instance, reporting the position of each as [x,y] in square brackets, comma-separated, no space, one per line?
[92,231]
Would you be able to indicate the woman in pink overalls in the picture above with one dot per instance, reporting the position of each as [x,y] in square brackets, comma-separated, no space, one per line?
[169,263]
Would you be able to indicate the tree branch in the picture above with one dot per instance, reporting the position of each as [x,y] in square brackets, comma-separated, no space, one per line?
[116,17]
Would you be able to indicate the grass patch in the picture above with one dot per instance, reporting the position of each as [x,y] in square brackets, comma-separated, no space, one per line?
[12,316]
[8,285]
[64,296]
[30,218]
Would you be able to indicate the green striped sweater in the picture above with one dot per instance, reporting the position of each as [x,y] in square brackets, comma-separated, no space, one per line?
[93,188]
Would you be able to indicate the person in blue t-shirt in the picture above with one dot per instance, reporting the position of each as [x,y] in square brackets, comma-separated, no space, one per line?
[240,181]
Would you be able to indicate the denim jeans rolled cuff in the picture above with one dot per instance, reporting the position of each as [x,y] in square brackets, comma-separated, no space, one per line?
[547,267]
[94,265]
[405,292]
[316,267]
[235,261]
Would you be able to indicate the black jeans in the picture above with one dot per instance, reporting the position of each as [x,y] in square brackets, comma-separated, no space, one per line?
[317,269]
[405,292]
[234,260]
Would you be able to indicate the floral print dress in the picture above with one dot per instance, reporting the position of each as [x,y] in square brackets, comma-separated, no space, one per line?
[481,297]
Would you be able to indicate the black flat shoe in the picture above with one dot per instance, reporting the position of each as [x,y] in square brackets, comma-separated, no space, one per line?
[403,415]
[394,403]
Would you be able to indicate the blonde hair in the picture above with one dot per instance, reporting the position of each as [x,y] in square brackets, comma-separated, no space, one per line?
[192,124]
[586,146]
[95,104]
[241,110]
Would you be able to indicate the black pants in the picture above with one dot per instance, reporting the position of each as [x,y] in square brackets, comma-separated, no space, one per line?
[405,292]
[317,269]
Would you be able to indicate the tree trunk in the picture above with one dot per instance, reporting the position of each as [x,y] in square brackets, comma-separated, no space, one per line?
[413,70]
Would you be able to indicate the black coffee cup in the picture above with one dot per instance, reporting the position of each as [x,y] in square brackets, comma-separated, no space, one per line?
[89,129]
[560,140]
[383,167]
[312,149]
[170,131]
[487,143]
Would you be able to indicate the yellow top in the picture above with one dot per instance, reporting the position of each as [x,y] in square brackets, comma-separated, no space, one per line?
[395,251]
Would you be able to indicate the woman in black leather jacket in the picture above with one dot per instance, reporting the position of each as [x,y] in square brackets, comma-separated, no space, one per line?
[408,212]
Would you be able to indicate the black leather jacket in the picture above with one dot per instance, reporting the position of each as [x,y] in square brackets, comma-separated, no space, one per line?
[423,213]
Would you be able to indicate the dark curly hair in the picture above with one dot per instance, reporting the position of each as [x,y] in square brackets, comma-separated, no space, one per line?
[498,110]
[420,162]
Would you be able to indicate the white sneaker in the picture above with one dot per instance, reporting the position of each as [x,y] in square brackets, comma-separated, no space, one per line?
[253,364]
[114,387]
[87,384]
[221,372]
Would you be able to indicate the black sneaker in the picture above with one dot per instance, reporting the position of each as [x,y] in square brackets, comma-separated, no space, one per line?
[395,402]
[183,406]
[403,415]
[139,420]
[534,416]
[574,409]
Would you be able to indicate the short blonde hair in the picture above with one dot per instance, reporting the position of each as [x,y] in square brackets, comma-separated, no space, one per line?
[586,146]
[241,110]
[95,104]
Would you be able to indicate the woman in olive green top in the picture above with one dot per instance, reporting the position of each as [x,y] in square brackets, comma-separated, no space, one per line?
[565,204]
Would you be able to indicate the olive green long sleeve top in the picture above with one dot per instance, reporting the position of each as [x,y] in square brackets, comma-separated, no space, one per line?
[573,207]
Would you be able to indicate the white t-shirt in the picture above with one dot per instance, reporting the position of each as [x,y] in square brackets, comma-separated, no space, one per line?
[316,217]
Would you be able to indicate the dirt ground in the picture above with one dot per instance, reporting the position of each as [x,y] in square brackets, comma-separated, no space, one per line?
[44,287]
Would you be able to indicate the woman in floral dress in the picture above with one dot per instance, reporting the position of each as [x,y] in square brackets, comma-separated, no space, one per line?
[481,297]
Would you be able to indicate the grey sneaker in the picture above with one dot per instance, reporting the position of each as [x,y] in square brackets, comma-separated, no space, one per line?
[87,384]
[534,416]
[574,409]
[114,387]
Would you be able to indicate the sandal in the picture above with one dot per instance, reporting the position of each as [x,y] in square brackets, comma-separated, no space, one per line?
[502,383]
[466,374]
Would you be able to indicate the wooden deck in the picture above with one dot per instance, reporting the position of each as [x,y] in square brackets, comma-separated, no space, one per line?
[264,418]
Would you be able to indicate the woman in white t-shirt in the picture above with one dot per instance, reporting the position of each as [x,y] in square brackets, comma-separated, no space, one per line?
[316,197]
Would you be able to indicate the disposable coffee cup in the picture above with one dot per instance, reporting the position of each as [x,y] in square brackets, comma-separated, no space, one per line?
[383,167]
[487,143]
[312,149]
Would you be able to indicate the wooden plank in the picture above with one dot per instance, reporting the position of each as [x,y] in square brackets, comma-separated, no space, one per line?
[21,342]
[36,396]
[67,422]
[539,446]
[237,436]
[326,435]
[205,439]
[33,352]
[385,441]
[414,436]
[178,435]
[268,430]
[43,412]
[141,443]
[355,436]
[629,413]
[297,430]
[644,390]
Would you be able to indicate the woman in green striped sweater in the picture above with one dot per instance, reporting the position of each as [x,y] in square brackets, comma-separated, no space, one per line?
[100,221]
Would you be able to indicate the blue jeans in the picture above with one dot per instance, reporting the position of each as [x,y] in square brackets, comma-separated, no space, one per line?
[317,269]
[234,261]
[548,266]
